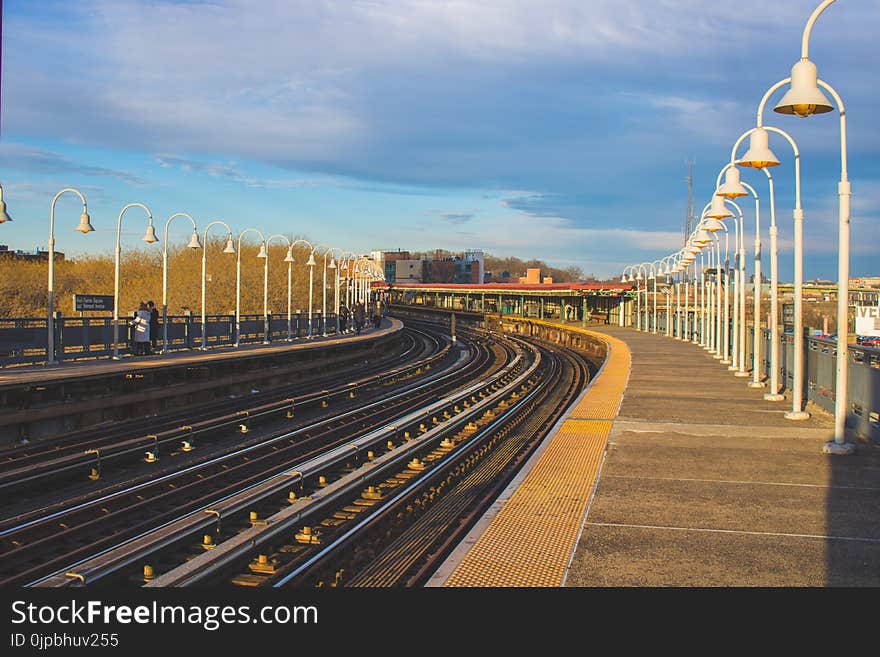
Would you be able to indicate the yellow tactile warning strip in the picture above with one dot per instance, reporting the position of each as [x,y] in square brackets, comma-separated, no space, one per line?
[531,540]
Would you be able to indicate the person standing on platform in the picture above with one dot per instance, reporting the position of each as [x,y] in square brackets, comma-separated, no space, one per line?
[343,318]
[141,330]
[154,325]
[377,314]
[359,315]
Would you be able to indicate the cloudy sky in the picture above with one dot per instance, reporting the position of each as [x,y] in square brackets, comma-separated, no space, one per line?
[555,129]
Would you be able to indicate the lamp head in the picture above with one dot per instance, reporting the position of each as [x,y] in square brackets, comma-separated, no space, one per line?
[638,276]
[759,154]
[150,235]
[289,256]
[623,279]
[702,237]
[262,253]
[311,262]
[712,225]
[4,216]
[332,264]
[85,225]
[230,247]
[194,242]
[732,187]
[718,210]
[804,98]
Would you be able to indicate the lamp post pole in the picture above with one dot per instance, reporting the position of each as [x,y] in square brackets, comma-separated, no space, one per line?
[760,156]
[149,238]
[263,254]
[654,321]
[704,331]
[773,375]
[683,334]
[695,338]
[638,301]
[84,226]
[324,290]
[805,99]
[193,244]
[289,260]
[230,248]
[311,250]
[335,265]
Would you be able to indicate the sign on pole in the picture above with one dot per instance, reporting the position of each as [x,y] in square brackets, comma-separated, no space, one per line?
[84,302]
[788,316]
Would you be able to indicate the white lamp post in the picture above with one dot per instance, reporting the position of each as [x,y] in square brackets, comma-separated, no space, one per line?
[326,250]
[84,226]
[193,244]
[732,188]
[335,265]
[289,260]
[718,211]
[311,248]
[631,279]
[311,265]
[805,99]
[653,276]
[149,237]
[261,254]
[759,156]
[230,248]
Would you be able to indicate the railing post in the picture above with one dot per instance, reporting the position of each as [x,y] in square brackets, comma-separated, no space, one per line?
[188,316]
[59,336]
[85,335]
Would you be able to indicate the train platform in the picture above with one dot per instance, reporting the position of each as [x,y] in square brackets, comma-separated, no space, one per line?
[669,471]
[39,401]
[80,369]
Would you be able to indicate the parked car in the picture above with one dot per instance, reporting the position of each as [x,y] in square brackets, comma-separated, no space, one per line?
[868,340]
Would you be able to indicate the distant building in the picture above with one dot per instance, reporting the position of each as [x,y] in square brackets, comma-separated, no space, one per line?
[444,267]
[474,266]
[408,271]
[532,276]
[388,260]
[36,256]
[865,281]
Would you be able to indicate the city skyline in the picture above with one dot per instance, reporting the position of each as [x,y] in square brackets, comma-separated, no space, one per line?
[559,133]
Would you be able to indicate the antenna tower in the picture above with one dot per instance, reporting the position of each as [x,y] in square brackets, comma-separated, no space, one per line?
[689,219]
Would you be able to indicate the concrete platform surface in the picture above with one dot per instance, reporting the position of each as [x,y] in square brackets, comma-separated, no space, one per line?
[707,484]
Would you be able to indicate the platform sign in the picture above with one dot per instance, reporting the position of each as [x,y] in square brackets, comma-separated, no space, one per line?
[788,315]
[85,302]
[868,320]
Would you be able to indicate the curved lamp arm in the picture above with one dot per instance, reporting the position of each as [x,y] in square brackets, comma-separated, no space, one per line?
[216,223]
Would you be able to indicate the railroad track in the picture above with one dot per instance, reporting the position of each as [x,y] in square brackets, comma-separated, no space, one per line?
[386,520]
[21,464]
[34,548]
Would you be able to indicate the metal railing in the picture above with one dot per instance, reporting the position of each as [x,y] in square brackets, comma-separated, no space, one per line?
[820,378]
[23,340]
[820,372]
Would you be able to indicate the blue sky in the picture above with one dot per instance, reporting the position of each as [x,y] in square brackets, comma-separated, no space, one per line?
[557,129]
